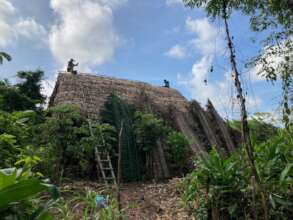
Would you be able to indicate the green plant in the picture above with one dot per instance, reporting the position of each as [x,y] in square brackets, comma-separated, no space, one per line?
[88,201]
[111,212]
[148,129]
[17,190]
[179,147]
[117,113]
[62,123]
[62,210]
[260,130]
[274,160]
[217,184]
[221,186]
[5,56]
[31,85]
[8,150]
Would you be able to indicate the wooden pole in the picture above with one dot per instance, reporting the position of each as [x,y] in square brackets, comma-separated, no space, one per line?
[119,170]
[245,127]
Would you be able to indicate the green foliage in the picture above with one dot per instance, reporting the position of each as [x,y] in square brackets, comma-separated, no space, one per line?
[16,132]
[219,184]
[275,163]
[13,100]
[63,124]
[83,206]
[31,85]
[4,56]
[8,150]
[222,185]
[260,131]
[71,151]
[148,129]
[118,113]
[24,95]
[17,190]
[111,212]
[214,8]
[104,136]
[179,147]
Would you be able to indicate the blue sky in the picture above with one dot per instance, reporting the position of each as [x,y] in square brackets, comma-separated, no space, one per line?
[146,40]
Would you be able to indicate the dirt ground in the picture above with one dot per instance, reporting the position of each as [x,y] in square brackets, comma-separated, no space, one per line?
[153,201]
[145,201]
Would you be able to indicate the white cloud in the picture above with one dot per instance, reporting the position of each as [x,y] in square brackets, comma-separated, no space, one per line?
[177,52]
[13,26]
[29,28]
[174,2]
[6,8]
[209,43]
[209,40]
[84,31]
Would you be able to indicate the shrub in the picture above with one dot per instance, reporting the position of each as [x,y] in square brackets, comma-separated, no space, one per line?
[223,187]
[179,148]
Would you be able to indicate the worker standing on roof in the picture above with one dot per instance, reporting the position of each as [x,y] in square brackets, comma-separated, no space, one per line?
[71,65]
[166,83]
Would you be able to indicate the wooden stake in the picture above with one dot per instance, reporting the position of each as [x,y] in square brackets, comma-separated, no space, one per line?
[119,170]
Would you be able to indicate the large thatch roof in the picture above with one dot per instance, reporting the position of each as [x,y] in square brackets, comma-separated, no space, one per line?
[205,128]
[91,91]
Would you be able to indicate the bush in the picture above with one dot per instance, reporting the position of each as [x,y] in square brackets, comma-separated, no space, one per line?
[179,148]
[217,185]
[223,187]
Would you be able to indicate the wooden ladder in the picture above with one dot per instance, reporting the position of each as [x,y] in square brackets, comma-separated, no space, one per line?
[104,163]
[106,167]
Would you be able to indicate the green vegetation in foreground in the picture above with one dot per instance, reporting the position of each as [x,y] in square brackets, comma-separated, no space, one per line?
[221,188]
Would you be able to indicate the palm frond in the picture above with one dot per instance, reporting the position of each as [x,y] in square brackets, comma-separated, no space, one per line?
[3,56]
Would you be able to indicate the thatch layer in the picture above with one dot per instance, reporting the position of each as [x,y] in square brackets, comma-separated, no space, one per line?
[90,93]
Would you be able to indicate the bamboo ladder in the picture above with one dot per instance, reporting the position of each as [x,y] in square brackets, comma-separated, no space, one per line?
[102,158]
[104,162]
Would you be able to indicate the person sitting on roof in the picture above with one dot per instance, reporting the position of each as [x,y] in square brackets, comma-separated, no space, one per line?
[167,83]
[71,65]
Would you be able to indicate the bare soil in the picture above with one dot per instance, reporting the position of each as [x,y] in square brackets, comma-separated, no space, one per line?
[144,201]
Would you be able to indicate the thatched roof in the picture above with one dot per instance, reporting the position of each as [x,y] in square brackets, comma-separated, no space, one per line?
[205,128]
[91,91]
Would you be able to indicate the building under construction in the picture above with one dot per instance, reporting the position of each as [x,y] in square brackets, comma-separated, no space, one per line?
[203,127]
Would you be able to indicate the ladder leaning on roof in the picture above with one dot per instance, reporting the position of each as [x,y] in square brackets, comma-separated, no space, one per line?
[103,162]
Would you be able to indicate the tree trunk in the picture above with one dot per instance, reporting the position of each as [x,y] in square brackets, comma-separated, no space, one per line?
[245,127]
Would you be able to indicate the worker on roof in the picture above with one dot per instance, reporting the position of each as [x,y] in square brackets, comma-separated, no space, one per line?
[166,83]
[71,65]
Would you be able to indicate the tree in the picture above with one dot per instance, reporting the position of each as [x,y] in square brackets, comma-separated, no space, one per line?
[148,130]
[31,85]
[260,130]
[179,148]
[275,60]
[24,95]
[12,100]
[4,56]
[223,10]
[60,135]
